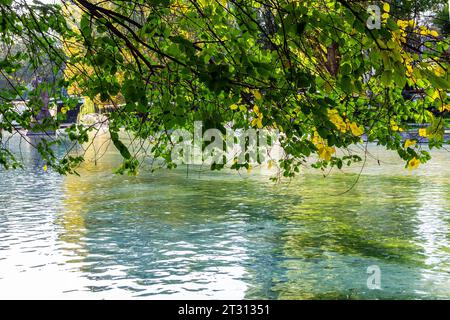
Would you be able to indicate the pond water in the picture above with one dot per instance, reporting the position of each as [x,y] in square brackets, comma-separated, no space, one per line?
[194,234]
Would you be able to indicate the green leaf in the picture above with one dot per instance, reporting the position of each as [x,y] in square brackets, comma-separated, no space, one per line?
[119,144]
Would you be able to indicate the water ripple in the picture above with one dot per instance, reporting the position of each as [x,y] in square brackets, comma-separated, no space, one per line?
[220,235]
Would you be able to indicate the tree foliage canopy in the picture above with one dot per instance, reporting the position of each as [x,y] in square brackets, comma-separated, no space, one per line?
[312,69]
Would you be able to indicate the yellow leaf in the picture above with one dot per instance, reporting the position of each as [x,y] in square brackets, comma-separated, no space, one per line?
[325,152]
[269,164]
[234,106]
[356,130]
[45,168]
[436,95]
[386,7]
[259,123]
[445,107]
[439,71]
[434,33]
[402,23]
[412,23]
[423,132]
[337,120]
[409,69]
[409,143]
[257,94]
[413,164]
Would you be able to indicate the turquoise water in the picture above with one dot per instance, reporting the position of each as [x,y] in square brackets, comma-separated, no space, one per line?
[201,235]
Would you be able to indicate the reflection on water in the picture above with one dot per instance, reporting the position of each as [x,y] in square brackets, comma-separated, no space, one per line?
[222,235]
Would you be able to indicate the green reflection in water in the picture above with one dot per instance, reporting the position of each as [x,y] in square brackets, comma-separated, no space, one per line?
[296,239]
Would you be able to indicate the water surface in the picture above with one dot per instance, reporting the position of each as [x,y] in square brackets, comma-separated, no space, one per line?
[196,234]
